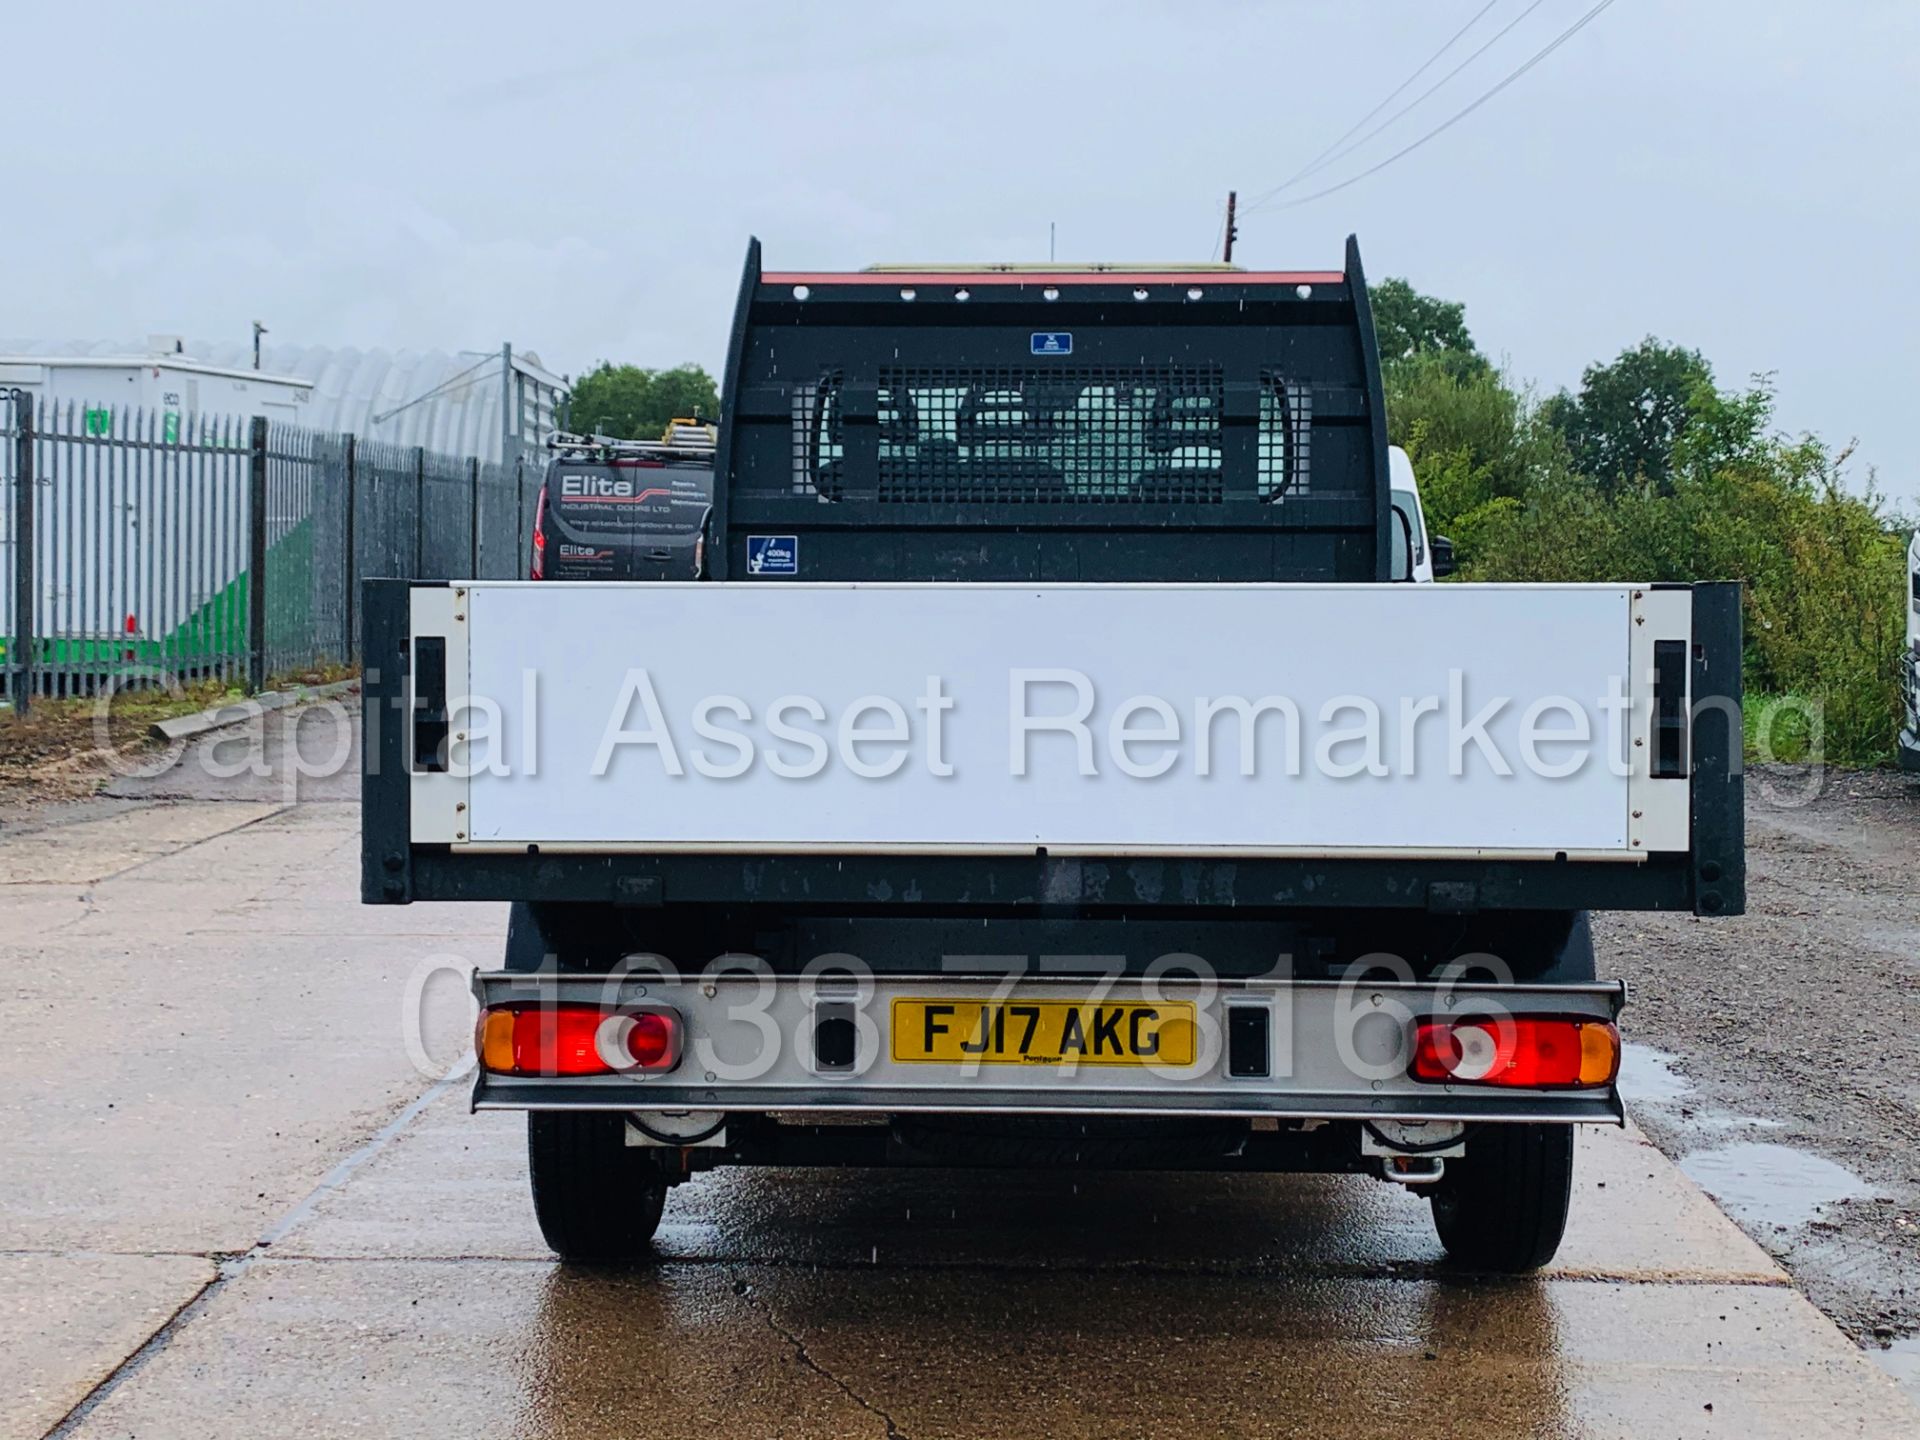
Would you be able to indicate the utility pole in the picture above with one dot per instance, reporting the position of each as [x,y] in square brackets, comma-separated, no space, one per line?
[1233,234]
[258,331]
[509,422]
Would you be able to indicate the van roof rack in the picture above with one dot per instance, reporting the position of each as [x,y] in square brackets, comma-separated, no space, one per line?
[688,441]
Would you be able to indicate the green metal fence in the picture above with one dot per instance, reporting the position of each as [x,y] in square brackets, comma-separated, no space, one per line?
[217,547]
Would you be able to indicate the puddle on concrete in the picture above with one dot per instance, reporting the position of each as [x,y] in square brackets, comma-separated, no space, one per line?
[1649,1081]
[1901,1360]
[1771,1184]
[1647,1076]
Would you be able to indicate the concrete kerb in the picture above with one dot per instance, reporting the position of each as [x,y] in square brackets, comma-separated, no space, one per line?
[186,727]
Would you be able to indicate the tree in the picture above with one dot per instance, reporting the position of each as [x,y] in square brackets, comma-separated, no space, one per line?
[1629,416]
[630,403]
[1651,471]
[1476,443]
[1408,323]
[1470,436]
[1822,570]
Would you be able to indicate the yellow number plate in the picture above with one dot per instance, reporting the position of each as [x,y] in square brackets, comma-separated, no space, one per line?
[1043,1032]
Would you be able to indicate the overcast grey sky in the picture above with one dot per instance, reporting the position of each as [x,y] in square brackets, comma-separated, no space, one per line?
[1736,175]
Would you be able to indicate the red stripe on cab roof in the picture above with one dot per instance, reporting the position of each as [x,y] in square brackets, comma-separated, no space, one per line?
[1078,277]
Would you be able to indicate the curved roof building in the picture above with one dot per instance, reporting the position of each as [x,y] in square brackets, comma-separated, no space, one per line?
[466,403]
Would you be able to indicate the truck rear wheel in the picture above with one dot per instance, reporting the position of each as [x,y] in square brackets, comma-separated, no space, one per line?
[596,1197]
[1503,1205]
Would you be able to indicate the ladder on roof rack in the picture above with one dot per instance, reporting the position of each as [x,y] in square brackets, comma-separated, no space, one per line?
[685,439]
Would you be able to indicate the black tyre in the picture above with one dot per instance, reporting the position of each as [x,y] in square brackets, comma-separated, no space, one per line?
[1503,1206]
[596,1197]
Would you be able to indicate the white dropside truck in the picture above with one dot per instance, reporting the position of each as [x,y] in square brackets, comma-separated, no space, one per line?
[1053,764]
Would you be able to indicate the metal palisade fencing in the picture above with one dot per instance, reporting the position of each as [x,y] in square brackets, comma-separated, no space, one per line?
[139,545]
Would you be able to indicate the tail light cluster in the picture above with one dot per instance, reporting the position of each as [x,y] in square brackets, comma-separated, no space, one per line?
[537,567]
[578,1039]
[1532,1052]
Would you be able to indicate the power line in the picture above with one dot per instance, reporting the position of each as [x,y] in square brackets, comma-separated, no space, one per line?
[1425,65]
[1339,151]
[1459,115]
[425,396]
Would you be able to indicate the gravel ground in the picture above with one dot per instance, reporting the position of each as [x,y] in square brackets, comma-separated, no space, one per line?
[1795,1032]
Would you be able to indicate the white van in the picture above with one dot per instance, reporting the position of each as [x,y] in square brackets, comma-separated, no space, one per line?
[1431,556]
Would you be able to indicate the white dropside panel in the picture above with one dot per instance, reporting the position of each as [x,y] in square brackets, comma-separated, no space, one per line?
[1087,719]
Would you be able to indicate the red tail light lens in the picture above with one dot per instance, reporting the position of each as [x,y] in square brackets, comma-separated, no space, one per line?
[577,1040]
[558,1041]
[537,568]
[1520,1051]
[642,1040]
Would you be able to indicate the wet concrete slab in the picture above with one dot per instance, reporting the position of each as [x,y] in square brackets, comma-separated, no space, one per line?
[70,1319]
[40,909]
[488,1347]
[95,849]
[183,1071]
[295,875]
[412,1349]
[210,1083]
[454,1184]
[237,1091]
[967,1303]
[1290,1354]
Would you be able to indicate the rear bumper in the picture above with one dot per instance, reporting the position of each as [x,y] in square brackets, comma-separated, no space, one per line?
[1336,1050]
